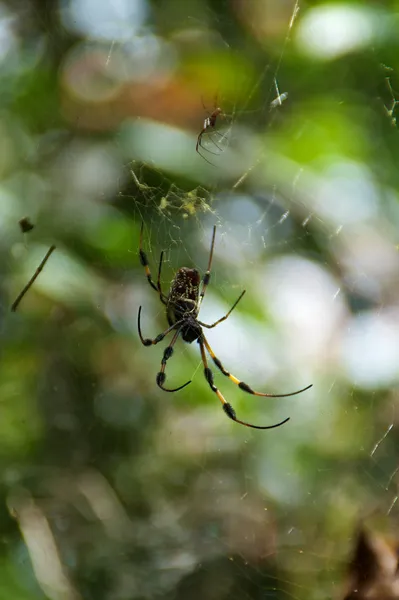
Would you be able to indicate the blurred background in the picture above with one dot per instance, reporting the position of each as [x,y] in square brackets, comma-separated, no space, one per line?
[111,488]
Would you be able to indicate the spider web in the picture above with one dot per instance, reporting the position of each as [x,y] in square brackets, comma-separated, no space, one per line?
[294,236]
[306,215]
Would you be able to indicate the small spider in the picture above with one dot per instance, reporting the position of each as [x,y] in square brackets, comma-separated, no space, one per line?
[208,128]
[183,304]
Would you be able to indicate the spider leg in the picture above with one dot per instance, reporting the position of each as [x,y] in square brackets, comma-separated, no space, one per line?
[209,131]
[221,135]
[207,277]
[199,144]
[221,138]
[205,159]
[159,338]
[228,409]
[241,384]
[209,151]
[225,316]
[159,275]
[201,133]
[144,262]
[161,377]
[167,352]
[215,104]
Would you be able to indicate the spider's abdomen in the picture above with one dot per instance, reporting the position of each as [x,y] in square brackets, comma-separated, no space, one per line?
[183,296]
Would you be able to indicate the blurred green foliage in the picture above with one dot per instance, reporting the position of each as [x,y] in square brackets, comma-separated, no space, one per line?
[111,488]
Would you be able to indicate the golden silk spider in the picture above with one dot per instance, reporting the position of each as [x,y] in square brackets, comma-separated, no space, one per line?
[183,303]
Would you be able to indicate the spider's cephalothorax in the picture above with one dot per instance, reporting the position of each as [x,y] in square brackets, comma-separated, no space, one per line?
[183,304]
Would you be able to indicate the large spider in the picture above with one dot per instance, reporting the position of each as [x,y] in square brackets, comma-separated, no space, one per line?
[183,304]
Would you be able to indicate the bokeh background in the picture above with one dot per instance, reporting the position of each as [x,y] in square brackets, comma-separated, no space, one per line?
[109,487]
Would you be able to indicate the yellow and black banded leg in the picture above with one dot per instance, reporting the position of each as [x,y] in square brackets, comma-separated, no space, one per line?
[228,409]
[161,377]
[225,316]
[241,384]
[144,262]
[159,338]
[207,277]
[159,276]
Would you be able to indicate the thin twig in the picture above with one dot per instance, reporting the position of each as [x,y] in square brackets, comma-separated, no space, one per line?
[32,279]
